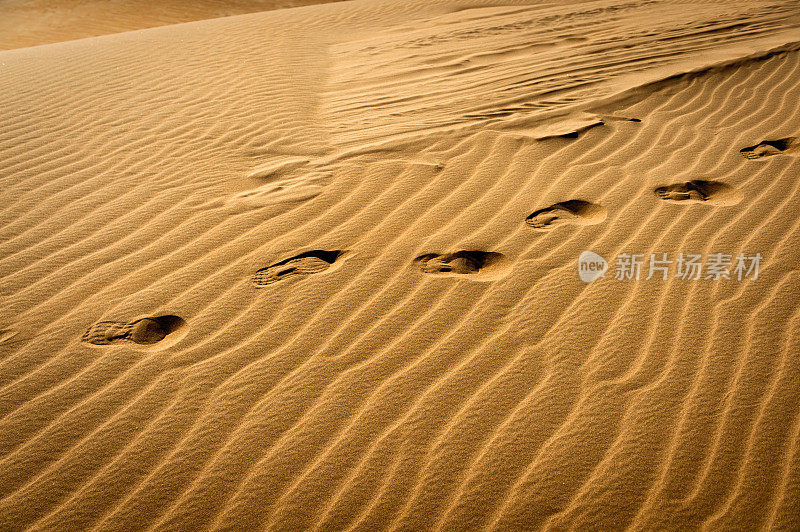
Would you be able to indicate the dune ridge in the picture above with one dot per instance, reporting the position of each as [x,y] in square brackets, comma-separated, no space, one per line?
[360,384]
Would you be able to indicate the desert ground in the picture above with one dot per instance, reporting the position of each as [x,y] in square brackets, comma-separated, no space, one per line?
[400,265]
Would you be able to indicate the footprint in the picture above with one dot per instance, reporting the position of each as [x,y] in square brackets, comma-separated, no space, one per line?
[300,265]
[481,264]
[572,212]
[768,148]
[699,191]
[144,331]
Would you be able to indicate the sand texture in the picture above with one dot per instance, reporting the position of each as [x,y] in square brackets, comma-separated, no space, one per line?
[316,269]
[33,22]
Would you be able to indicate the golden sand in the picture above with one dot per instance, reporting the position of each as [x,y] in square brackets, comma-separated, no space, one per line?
[317,268]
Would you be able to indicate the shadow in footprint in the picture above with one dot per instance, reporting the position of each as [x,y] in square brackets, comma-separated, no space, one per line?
[298,266]
[699,191]
[478,264]
[768,148]
[144,331]
[572,212]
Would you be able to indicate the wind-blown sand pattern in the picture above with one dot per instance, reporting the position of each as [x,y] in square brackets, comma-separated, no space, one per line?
[146,175]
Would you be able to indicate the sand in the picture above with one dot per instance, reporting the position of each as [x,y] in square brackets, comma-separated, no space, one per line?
[317,268]
[33,22]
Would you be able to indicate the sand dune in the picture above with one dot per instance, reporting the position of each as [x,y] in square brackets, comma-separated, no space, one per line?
[33,22]
[317,269]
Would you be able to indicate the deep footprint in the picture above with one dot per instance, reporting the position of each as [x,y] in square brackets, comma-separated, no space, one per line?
[145,331]
[572,212]
[699,191]
[768,148]
[460,262]
[300,265]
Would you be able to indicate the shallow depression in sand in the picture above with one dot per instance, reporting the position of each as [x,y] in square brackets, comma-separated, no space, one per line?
[151,332]
[471,265]
[571,212]
[700,191]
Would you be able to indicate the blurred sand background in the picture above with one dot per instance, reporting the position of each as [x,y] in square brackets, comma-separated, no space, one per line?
[34,22]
